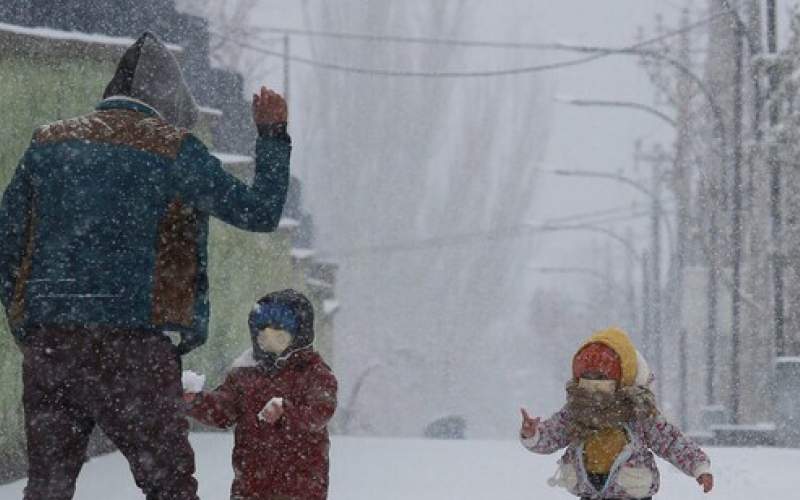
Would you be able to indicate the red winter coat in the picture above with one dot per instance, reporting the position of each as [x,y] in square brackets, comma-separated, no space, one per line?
[287,459]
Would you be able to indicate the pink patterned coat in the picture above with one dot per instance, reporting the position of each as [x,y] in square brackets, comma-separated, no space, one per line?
[634,473]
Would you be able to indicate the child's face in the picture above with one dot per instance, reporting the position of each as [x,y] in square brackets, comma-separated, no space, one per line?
[592,382]
[274,341]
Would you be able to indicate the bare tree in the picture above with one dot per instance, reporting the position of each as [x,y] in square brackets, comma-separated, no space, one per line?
[392,161]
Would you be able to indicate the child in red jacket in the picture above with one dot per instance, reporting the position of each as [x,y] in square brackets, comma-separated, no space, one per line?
[280,395]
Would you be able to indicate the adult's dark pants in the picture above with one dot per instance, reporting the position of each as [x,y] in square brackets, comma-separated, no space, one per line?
[127,383]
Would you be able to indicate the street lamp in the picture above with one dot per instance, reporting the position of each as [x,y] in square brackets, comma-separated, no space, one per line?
[620,104]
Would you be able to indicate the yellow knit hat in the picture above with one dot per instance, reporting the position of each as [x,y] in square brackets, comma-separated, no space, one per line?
[620,342]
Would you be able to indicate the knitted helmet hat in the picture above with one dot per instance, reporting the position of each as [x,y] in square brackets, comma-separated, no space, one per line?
[286,310]
[609,352]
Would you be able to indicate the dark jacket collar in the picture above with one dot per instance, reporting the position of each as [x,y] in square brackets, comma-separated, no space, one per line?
[125,102]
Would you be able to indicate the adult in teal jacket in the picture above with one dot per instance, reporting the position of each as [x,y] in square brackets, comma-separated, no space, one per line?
[104,232]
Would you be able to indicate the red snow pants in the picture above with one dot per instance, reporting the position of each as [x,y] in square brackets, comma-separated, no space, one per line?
[127,383]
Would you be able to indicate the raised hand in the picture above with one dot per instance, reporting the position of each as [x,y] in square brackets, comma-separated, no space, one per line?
[269,108]
[706,481]
[529,425]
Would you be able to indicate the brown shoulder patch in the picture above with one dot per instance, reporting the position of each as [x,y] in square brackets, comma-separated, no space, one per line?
[117,126]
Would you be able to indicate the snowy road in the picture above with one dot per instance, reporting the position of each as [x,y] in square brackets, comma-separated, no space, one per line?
[410,469]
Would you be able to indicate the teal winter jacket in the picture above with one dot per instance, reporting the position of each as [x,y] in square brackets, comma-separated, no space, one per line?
[105,222]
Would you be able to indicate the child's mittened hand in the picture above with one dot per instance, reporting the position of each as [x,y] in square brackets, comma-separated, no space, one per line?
[529,425]
[706,481]
[272,411]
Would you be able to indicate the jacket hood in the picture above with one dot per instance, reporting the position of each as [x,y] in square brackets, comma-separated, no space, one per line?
[148,71]
[302,332]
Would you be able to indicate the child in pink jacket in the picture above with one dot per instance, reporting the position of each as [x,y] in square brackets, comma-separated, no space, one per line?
[610,427]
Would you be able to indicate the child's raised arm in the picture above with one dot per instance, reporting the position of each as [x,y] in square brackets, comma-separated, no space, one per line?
[218,408]
[544,437]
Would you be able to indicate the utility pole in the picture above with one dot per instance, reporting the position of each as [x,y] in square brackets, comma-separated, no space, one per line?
[656,278]
[712,298]
[286,62]
[736,222]
[654,346]
[681,186]
[647,306]
[683,365]
[775,189]
[630,270]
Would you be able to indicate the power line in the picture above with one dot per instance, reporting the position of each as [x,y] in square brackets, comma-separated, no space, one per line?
[515,231]
[417,74]
[595,213]
[622,218]
[597,54]
[460,42]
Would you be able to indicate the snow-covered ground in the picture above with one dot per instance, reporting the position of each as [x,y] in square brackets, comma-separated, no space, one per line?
[395,469]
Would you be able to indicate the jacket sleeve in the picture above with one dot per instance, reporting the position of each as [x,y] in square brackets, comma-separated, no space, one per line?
[203,183]
[669,443]
[15,219]
[314,409]
[551,435]
[220,407]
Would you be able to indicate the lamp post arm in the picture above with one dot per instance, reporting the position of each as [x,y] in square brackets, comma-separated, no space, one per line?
[605,175]
[719,121]
[626,104]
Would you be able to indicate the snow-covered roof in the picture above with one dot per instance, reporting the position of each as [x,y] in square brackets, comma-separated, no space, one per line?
[233,159]
[323,260]
[302,253]
[313,282]
[210,111]
[288,223]
[330,306]
[73,36]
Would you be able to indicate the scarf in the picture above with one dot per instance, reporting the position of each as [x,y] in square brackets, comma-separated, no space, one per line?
[591,412]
